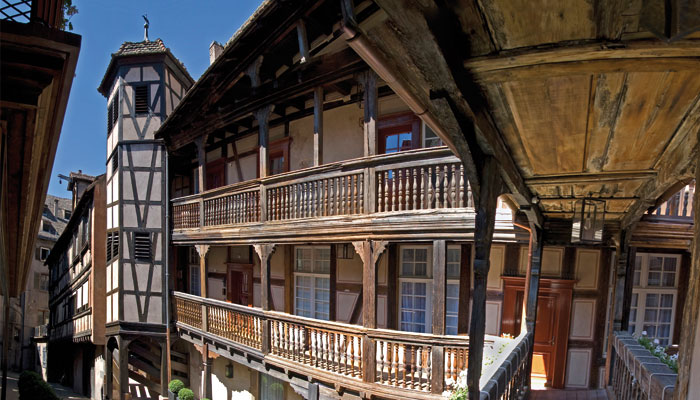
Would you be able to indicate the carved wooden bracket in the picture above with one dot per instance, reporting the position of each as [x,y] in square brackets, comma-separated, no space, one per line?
[264,251]
[202,250]
[376,248]
[253,72]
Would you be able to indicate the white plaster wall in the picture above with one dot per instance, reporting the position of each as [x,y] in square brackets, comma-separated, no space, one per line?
[99,373]
[241,387]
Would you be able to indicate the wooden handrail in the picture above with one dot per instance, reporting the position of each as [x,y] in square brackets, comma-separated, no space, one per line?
[406,181]
[637,372]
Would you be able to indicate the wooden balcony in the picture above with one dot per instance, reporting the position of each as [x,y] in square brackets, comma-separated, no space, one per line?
[679,206]
[403,364]
[637,373]
[420,193]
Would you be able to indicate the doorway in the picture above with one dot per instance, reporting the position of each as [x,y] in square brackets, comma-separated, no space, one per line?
[240,284]
[551,325]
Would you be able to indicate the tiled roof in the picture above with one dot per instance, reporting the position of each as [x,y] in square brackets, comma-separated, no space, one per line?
[136,48]
[146,47]
[58,222]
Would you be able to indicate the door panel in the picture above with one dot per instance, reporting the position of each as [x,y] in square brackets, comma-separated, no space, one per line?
[545,336]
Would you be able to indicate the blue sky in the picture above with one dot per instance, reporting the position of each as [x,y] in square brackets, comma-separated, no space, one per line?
[186,27]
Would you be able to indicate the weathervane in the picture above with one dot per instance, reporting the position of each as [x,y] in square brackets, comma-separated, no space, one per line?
[145,27]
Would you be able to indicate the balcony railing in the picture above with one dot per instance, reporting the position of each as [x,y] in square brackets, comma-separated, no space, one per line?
[412,181]
[637,374]
[680,205]
[48,12]
[403,361]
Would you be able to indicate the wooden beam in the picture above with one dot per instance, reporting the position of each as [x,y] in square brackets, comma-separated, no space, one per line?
[618,293]
[124,392]
[532,288]
[491,188]
[202,250]
[392,305]
[289,279]
[253,72]
[201,143]
[318,126]
[264,251]
[465,275]
[263,117]
[333,277]
[688,370]
[369,84]
[615,176]
[303,41]
[439,290]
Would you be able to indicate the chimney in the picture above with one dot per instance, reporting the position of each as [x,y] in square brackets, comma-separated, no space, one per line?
[215,50]
[55,207]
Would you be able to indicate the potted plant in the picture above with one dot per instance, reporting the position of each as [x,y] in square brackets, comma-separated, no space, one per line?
[185,394]
[174,388]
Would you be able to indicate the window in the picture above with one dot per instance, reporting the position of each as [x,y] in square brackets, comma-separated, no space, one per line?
[278,158]
[141,99]
[112,113]
[46,212]
[181,186]
[46,227]
[271,388]
[415,283]
[115,162]
[312,267]
[452,269]
[41,281]
[398,132]
[43,253]
[112,245]
[67,214]
[430,138]
[142,246]
[654,296]
[42,317]
[194,280]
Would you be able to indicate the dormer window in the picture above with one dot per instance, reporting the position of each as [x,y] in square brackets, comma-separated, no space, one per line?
[141,99]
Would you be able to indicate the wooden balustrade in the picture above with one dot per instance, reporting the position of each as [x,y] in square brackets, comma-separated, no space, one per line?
[332,350]
[404,364]
[188,312]
[678,205]
[239,327]
[456,361]
[186,215]
[426,179]
[235,208]
[340,194]
[423,187]
[507,377]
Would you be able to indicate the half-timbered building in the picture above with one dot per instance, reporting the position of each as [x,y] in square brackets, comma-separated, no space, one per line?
[364,199]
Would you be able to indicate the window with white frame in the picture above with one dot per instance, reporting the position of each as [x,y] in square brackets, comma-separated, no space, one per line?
[430,138]
[416,288]
[452,268]
[194,280]
[312,266]
[654,293]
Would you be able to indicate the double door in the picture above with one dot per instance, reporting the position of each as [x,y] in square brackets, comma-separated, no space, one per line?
[240,284]
[551,325]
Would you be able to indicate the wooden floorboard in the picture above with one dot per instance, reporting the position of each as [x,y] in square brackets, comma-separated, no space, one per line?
[577,394]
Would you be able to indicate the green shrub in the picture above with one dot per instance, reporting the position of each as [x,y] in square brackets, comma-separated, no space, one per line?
[32,387]
[175,386]
[185,394]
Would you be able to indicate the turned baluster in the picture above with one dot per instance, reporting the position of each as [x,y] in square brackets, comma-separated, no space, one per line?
[354,196]
[380,192]
[453,187]
[381,348]
[386,190]
[400,195]
[445,186]
[343,209]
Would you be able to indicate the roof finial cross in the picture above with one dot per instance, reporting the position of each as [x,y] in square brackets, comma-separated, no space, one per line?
[145,27]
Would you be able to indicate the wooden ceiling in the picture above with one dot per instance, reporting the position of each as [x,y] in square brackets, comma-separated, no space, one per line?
[579,97]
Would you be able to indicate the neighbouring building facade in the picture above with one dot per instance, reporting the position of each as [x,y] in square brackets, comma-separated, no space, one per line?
[76,330]
[346,206]
[29,314]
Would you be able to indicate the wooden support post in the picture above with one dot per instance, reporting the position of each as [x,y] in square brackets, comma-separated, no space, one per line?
[369,252]
[532,288]
[318,126]
[254,72]
[687,386]
[164,367]
[369,83]
[289,279]
[264,251]
[202,250]
[123,368]
[201,143]
[206,374]
[303,41]
[465,284]
[109,373]
[392,304]
[439,290]
[6,332]
[490,189]
[618,297]
[333,295]
[629,284]
[263,117]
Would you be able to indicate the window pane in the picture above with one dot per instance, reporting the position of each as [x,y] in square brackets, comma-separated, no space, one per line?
[667,300]
[655,263]
[650,316]
[422,255]
[654,279]
[670,264]
[669,279]
[652,300]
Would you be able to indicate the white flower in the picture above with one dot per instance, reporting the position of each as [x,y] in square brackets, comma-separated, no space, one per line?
[656,342]
[644,333]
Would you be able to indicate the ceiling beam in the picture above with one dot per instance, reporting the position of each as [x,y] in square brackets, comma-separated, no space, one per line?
[613,176]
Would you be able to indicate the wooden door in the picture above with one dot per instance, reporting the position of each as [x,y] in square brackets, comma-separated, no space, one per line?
[216,174]
[240,284]
[551,325]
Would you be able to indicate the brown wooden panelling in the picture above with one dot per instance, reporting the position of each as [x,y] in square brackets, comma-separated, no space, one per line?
[392,306]
[511,264]
[465,275]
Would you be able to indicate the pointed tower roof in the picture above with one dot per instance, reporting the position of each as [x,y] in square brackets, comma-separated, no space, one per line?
[139,49]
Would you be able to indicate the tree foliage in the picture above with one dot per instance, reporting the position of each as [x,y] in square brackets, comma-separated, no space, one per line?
[69,10]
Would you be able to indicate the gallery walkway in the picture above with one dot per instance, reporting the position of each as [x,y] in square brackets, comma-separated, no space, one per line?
[576,394]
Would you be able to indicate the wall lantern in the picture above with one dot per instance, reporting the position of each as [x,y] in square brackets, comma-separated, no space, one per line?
[343,251]
[589,217]
[229,370]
